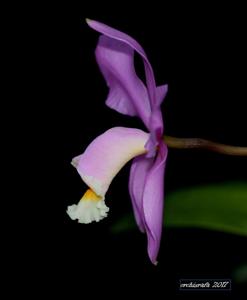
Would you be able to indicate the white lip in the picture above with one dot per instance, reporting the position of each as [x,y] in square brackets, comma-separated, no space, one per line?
[87,211]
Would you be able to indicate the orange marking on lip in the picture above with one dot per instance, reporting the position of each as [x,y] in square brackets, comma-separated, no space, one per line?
[90,195]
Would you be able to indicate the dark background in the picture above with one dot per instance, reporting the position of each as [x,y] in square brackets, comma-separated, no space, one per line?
[201,53]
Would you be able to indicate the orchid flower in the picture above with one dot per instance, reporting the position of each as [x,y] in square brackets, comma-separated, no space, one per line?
[109,152]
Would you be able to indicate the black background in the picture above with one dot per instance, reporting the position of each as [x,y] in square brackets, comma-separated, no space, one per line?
[200,52]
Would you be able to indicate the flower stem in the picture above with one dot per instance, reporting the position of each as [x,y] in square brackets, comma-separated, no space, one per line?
[189,143]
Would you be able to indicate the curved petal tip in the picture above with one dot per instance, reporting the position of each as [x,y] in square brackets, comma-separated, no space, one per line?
[88,20]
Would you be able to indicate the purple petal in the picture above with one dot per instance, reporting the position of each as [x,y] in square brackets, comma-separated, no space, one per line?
[151,145]
[127,93]
[138,173]
[153,198]
[161,92]
[107,154]
[120,36]
[156,127]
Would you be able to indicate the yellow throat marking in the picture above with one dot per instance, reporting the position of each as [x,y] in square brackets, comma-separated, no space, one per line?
[90,196]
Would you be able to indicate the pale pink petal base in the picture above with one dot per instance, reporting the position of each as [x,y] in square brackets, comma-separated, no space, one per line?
[107,154]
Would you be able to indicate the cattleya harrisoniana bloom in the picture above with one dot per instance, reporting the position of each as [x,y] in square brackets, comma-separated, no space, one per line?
[109,152]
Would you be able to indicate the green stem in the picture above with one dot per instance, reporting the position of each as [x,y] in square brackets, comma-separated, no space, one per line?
[189,143]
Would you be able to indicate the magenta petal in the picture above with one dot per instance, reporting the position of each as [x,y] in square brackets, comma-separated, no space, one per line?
[120,36]
[138,173]
[153,198]
[127,94]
